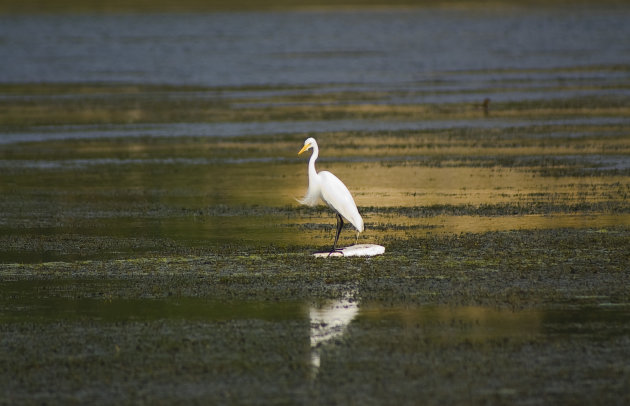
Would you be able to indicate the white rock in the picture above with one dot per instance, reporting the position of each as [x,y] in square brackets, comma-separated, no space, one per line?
[359,250]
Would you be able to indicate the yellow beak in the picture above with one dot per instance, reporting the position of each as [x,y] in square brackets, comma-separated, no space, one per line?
[304,148]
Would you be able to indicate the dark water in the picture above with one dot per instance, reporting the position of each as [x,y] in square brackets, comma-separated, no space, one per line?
[235,129]
[412,49]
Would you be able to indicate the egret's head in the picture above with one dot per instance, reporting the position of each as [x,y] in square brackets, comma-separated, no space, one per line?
[308,144]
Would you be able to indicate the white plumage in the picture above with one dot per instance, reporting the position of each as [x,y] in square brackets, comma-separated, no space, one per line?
[327,187]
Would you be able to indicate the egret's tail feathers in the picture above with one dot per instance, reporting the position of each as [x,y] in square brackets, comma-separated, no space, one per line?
[356,220]
[358,223]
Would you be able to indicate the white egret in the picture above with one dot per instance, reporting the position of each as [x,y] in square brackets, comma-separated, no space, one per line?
[327,187]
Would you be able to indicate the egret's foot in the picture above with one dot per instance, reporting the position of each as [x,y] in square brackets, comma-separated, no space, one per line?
[339,250]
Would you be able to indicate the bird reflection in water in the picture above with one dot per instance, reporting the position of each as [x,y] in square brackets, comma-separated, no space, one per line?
[329,321]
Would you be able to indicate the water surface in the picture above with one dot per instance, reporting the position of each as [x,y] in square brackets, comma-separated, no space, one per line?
[407,47]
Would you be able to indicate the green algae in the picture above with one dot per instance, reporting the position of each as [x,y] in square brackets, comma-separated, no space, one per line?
[204,326]
[548,267]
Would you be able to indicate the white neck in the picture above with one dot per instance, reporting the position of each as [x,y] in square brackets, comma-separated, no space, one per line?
[312,173]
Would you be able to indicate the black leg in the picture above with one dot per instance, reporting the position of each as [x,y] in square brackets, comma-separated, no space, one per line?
[339,227]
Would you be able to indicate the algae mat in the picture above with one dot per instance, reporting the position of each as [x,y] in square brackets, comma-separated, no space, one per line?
[444,319]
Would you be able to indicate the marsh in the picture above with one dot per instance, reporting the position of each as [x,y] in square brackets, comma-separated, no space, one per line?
[152,250]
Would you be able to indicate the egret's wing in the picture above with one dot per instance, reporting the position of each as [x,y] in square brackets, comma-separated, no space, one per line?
[337,196]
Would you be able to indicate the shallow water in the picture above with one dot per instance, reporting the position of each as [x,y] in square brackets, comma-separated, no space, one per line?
[203,345]
[418,50]
[117,194]
[185,126]
[235,129]
[329,320]
[152,249]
